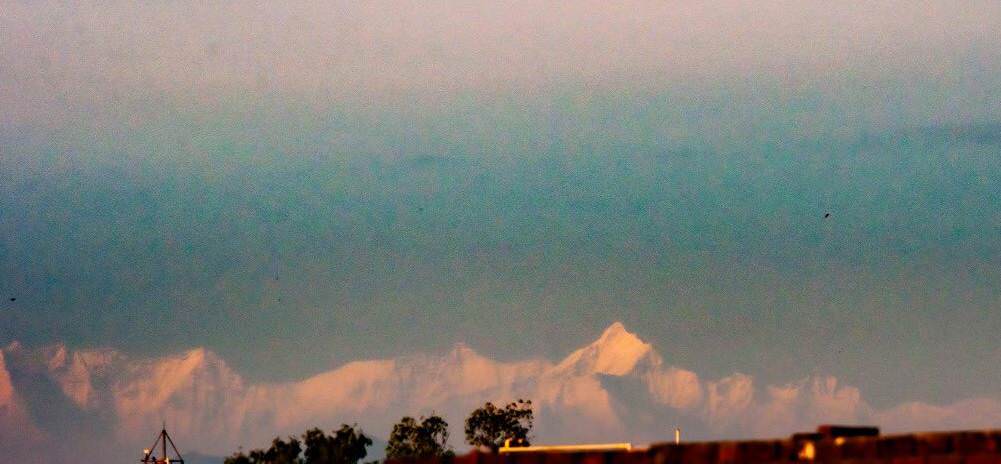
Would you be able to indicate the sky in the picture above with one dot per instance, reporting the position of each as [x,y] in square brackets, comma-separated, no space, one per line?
[295,186]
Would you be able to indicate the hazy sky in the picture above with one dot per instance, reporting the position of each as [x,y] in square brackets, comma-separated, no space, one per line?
[296,186]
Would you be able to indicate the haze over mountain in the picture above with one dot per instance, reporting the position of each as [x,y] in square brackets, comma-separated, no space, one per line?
[57,403]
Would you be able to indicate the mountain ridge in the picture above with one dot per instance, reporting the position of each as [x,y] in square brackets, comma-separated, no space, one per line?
[617,387]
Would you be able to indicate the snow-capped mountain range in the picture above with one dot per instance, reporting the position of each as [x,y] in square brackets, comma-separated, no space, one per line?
[57,403]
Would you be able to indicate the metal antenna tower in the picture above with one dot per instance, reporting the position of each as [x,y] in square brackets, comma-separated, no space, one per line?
[162,439]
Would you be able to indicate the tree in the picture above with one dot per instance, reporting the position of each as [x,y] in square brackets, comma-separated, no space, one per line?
[238,458]
[491,426]
[424,439]
[280,452]
[345,446]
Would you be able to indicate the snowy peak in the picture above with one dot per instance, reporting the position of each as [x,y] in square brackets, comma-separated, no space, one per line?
[617,333]
[6,387]
[616,352]
[76,372]
[462,352]
[616,387]
[17,431]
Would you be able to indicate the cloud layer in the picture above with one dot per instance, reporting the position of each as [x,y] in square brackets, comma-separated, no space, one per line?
[84,55]
[616,388]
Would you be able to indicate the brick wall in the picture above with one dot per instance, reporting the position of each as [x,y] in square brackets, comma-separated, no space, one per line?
[972,447]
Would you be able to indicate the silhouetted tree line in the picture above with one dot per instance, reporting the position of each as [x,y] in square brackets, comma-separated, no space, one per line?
[345,446]
[487,428]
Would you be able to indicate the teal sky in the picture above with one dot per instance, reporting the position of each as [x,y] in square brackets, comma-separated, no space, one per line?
[297,187]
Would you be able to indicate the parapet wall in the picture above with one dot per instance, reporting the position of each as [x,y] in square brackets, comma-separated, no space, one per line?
[972,447]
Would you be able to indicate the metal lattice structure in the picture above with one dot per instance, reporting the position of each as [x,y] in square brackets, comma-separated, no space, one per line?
[163,439]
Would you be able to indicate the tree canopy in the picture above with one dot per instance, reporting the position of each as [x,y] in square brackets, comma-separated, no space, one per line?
[423,439]
[486,427]
[490,426]
[346,446]
[280,452]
